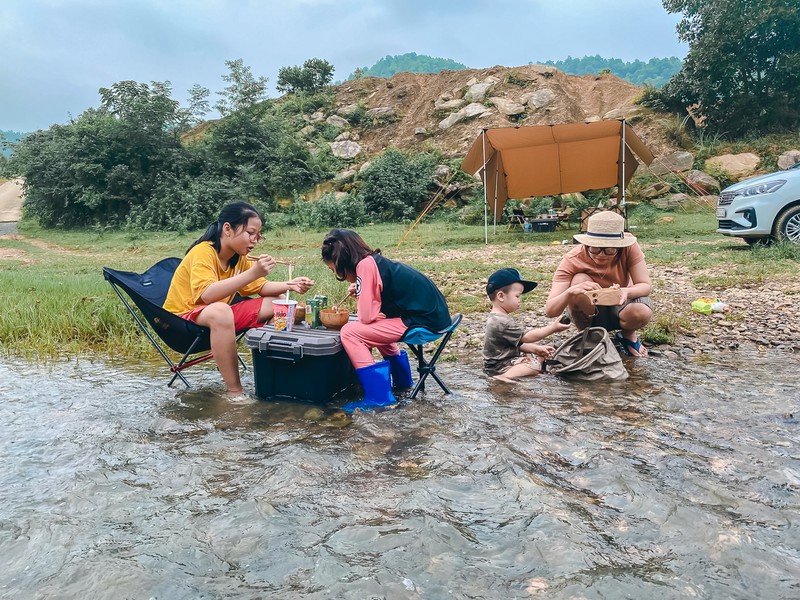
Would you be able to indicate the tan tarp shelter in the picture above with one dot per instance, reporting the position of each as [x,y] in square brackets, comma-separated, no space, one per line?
[518,162]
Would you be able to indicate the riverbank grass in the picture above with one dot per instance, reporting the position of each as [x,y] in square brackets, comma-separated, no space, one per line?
[55,302]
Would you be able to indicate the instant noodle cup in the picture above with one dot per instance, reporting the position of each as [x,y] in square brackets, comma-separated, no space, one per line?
[284,314]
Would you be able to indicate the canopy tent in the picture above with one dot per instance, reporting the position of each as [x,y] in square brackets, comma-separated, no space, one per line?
[518,162]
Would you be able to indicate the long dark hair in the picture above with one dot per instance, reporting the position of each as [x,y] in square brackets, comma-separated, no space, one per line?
[345,249]
[236,214]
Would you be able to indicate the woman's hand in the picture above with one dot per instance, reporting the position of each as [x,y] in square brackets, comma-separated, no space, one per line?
[623,295]
[300,284]
[578,289]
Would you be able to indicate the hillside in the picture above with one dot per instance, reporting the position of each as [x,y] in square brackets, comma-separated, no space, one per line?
[412,109]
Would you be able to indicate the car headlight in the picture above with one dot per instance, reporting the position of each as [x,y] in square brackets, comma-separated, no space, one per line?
[762,188]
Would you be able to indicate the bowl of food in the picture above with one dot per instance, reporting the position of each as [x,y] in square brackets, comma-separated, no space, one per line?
[299,314]
[334,318]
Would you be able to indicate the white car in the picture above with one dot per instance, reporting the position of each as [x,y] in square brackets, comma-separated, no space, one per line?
[763,209]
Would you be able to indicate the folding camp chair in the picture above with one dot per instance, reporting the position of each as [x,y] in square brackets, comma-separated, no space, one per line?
[416,338]
[516,219]
[148,291]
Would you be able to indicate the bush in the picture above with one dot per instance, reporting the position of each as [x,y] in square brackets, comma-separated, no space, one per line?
[328,212]
[396,184]
[644,214]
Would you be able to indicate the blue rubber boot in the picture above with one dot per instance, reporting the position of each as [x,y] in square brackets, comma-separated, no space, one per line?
[400,370]
[377,388]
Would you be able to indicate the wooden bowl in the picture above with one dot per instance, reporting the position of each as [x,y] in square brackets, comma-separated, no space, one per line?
[334,319]
[299,314]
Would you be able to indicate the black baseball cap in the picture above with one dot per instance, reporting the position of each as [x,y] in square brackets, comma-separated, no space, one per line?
[503,277]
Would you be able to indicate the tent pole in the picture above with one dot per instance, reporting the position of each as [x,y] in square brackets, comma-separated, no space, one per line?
[494,211]
[485,193]
[622,188]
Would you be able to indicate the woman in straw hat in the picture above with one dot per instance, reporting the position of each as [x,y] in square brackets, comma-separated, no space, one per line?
[606,257]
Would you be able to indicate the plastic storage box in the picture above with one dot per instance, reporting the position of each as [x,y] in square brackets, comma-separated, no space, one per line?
[305,364]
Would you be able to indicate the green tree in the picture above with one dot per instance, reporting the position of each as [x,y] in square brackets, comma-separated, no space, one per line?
[396,184]
[410,62]
[95,169]
[244,92]
[312,77]
[199,106]
[743,66]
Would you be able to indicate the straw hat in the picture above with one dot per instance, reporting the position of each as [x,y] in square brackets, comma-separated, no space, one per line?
[605,229]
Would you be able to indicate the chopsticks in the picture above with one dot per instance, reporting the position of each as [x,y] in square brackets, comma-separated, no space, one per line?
[280,262]
[337,305]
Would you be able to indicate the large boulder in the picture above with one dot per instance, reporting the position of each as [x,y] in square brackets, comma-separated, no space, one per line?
[478,91]
[507,107]
[788,159]
[337,121]
[671,202]
[538,98]
[381,112]
[346,149]
[736,166]
[448,105]
[677,161]
[470,111]
[702,180]
[659,188]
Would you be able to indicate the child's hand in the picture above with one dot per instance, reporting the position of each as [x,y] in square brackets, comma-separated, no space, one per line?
[263,265]
[300,284]
[557,326]
[543,351]
[351,289]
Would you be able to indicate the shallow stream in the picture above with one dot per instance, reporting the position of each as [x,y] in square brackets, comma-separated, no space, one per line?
[683,482]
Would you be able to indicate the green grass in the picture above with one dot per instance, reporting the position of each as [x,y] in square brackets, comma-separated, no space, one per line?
[56,303]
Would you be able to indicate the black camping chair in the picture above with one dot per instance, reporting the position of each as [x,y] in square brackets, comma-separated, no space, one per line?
[148,291]
[416,338]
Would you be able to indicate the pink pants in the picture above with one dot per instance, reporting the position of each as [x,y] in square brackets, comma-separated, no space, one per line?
[359,338]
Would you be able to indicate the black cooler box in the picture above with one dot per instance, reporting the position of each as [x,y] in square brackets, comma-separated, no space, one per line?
[305,364]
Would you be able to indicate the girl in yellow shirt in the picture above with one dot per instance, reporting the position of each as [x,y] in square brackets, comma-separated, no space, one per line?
[214,270]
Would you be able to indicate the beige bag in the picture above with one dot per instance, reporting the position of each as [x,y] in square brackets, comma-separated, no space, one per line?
[588,356]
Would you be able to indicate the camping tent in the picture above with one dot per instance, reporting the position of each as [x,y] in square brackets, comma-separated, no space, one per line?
[518,162]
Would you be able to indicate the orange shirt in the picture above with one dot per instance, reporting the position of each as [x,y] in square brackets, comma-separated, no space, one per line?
[577,261]
[199,269]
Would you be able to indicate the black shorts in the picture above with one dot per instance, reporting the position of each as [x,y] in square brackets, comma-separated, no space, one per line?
[608,316]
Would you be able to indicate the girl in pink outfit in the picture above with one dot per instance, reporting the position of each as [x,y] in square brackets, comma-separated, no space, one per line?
[392,297]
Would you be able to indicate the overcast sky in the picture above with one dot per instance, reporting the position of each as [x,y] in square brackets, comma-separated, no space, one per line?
[56,54]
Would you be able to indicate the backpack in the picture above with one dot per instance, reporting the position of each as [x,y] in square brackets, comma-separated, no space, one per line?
[589,355]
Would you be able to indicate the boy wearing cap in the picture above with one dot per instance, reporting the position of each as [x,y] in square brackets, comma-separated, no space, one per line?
[507,346]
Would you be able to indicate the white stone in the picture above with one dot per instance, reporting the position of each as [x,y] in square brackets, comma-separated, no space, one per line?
[346,149]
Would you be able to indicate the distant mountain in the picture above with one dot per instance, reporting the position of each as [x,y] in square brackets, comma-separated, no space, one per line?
[9,137]
[407,63]
[655,72]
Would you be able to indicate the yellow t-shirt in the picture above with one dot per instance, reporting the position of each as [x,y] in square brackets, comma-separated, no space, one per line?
[199,269]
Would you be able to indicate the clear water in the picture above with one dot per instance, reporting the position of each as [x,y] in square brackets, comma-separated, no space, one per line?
[681,483]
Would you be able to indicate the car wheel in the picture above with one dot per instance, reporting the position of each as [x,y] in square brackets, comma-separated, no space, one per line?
[787,225]
[759,241]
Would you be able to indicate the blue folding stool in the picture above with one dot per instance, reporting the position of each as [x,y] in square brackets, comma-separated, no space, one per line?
[416,338]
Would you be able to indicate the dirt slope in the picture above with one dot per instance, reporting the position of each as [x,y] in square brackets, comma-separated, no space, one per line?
[412,96]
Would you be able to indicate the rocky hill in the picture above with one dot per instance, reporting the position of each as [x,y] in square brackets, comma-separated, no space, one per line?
[447,110]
